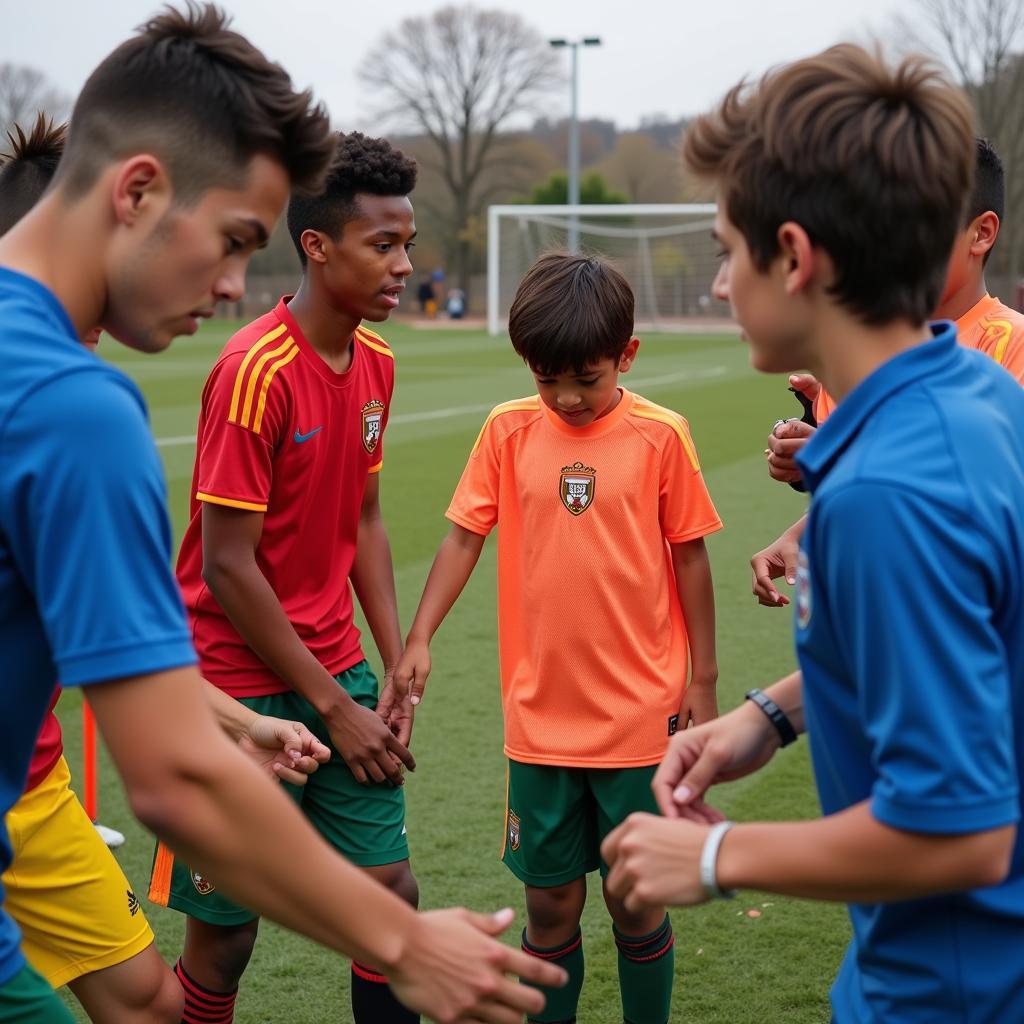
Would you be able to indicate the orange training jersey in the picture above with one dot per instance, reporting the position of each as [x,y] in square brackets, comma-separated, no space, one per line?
[591,635]
[988,326]
[281,433]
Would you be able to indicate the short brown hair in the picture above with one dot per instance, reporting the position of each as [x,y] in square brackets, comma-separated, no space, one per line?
[201,97]
[874,162]
[27,169]
[570,311]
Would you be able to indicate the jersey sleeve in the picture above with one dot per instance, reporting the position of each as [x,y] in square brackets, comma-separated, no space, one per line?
[475,503]
[1013,357]
[239,427]
[913,586]
[83,504]
[685,509]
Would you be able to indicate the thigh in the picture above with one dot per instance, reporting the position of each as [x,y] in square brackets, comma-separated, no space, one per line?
[28,999]
[364,823]
[76,910]
[618,792]
[550,826]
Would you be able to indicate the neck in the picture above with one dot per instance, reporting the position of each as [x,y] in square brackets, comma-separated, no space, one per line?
[60,246]
[963,299]
[328,330]
[849,351]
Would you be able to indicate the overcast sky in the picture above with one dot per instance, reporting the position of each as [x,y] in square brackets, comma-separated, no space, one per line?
[658,56]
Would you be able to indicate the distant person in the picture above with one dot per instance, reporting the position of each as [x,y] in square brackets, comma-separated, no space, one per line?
[425,296]
[605,600]
[456,304]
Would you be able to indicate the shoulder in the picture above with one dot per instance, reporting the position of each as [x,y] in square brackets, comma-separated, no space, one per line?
[374,344]
[661,426]
[511,416]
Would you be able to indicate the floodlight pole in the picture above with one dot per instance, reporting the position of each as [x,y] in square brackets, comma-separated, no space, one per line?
[574,132]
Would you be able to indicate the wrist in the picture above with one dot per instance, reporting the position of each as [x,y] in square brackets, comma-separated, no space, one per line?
[710,878]
[335,707]
[778,719]
[704,675]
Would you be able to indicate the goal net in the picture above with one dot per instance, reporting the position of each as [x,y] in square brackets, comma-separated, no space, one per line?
[665,251]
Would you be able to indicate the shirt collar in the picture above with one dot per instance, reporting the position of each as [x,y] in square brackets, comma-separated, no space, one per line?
[839,430]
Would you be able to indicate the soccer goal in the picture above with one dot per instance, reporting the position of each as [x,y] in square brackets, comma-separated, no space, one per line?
[665,251]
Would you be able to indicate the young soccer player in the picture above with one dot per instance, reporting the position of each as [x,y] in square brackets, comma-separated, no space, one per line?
[842,183]
[285,512]
[603,583]
[982,322]
[185,143]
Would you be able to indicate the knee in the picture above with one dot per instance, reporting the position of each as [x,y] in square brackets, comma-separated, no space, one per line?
[398,877]
[168,1002]
[217,957]
[557,907]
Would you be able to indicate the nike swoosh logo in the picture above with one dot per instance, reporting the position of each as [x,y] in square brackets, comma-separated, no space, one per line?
[299,438]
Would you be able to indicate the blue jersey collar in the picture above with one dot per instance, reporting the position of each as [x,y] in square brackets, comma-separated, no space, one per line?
[836,433]
[43,295]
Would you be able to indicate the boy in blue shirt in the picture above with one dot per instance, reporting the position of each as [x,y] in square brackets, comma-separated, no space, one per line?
[842,184]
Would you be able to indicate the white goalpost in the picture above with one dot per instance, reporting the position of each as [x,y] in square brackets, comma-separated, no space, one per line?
[665,250]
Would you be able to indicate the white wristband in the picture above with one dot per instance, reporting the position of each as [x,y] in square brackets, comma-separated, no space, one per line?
[709,862]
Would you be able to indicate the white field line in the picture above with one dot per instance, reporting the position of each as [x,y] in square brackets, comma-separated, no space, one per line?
[465,410]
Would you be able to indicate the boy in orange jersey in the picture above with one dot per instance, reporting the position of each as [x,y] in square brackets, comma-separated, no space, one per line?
[982,322]
[604,585]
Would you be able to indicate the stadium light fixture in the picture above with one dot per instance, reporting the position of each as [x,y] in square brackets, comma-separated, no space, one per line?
[574,131]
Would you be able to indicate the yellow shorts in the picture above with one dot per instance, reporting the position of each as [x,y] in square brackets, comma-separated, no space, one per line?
[75,908]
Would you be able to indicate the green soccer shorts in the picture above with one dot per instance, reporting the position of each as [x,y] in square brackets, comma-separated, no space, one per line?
[28,999]
[366,824]
[557,817]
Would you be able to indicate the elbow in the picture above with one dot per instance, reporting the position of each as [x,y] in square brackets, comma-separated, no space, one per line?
[218,571]
[160,805]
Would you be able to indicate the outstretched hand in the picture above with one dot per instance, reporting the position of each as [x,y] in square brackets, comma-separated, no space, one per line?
[286,750]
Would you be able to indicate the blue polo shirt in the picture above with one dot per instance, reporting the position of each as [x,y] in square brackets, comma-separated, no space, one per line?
[86,590]
[910,634]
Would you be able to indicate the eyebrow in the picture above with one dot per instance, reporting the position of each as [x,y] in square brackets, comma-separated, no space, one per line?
[259,229]
[393,234]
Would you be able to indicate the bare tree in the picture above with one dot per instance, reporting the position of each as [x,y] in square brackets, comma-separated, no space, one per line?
[25,92]
[983,42]
[458,76]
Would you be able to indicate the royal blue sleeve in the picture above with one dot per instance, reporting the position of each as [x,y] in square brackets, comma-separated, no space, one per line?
[910,584]
[85,512]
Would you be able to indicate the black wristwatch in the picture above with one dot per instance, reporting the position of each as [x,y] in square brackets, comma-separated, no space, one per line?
[775,714]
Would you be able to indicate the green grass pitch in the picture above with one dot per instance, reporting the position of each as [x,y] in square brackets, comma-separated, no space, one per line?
[730,967]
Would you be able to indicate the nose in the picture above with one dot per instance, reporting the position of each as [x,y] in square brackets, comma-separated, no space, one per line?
[403,266]
[720,286]
[230,286]
[568,399]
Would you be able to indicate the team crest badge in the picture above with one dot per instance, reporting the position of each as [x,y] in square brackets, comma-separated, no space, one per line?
[513,830]
[577,487]
[803,591]
[203,885]
[373,416]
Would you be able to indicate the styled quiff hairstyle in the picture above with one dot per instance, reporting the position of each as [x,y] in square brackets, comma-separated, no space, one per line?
[569,312]
[874,162]
[200,97]
[27,169]
[361,166]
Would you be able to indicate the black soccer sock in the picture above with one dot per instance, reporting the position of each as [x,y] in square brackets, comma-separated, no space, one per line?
[373,1002]
[203,1005]
[646,973]
[561,1003]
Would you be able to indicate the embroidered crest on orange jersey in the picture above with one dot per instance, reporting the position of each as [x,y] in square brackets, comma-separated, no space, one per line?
[203,885]
[513,830]
[373,416]
[576,487]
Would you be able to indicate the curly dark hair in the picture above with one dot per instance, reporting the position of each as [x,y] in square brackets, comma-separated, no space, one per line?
[27,169]
[361,165]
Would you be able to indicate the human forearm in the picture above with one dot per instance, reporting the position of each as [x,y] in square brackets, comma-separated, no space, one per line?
[456,558]
[697,598]
[852,857]
[373,580]
[192,786]
[234,718]
[788,693]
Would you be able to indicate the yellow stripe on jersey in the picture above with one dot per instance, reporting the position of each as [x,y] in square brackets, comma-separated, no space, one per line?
[257,372]
[267,378]
[1005,330]
[213,499]
[519,405]
[374,341]
[249,356]
[649,411]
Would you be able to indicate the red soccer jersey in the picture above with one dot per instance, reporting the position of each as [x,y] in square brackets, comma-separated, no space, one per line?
[281,433]
[49,747]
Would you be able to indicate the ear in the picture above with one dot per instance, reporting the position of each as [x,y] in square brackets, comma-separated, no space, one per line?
[140,184]
[628,355]
[797,257]
[314,245]
[984,230]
